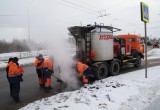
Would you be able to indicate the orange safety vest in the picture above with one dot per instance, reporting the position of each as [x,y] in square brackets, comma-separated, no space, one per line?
[21,70]
[85,67]
[81,67]
[36,64]
[9,64]
[13,70]
[48,63]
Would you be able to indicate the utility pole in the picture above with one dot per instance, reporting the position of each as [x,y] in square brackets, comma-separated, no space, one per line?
[29,33]
[28,25]
[146,63]
[81,23]
[145,19]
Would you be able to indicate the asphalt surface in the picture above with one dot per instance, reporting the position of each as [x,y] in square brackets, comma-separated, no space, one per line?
[30,90]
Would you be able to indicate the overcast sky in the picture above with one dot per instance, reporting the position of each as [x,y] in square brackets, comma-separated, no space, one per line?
[50,18]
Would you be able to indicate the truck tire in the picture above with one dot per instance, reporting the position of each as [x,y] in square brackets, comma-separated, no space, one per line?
[114,68]
[102,71]
[138,62]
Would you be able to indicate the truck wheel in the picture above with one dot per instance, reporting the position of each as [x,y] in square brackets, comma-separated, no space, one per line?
[114,68]
[138,62]
[102,71]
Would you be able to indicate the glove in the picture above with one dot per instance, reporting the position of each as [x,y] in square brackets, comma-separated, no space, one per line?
[51,71]
[39,63]
[20,77]
[21,69]
[42,60]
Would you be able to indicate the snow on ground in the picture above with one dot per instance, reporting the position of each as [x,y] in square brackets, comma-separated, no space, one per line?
[129,91]
[25,58]
[25,61]
[6,56]
[154,53]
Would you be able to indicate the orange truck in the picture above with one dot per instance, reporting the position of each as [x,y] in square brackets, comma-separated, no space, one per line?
[131,46]
[105,53]
[133,43]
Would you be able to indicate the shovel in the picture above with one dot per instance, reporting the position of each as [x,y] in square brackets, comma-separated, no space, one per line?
[58,80]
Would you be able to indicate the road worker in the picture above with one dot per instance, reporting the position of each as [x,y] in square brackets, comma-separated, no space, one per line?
[14,72]
[7,69]
[48,71]
[38,63]
[84,71]
[20,69]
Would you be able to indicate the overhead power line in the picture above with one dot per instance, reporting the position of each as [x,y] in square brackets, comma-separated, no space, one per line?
[12,25]
[73,7]
[79,5]
[11,15]
[102,13]
[88,5]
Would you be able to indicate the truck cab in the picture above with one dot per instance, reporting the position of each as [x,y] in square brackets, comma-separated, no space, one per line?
[133,43]
[129,48]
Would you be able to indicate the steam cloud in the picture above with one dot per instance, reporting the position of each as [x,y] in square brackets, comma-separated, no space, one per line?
[63,57]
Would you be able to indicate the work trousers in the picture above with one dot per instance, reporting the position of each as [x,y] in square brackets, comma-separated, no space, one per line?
[9,84]
[86,74]
[40,76]
[47,76]
[10,87]
[15,87]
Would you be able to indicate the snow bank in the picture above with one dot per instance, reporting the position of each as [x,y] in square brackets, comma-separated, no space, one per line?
[20,55]
[124,92]
[25,58]
[154,53]
[25,61]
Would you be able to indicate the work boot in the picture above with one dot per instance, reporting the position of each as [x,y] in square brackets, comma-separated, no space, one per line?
[16,98]
[50,87]
[47,89]
[41,85]
[11,94]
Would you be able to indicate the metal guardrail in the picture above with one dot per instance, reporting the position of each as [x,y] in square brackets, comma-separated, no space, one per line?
[21,55]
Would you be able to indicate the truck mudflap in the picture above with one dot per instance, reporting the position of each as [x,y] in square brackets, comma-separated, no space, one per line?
[141,55]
